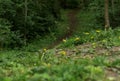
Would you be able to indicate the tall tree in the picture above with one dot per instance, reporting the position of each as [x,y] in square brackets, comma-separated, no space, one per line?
[112,1]
[107,21]
[25,23]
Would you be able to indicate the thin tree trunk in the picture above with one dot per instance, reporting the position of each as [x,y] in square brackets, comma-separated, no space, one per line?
[112,1]
[25,23]
[107,21]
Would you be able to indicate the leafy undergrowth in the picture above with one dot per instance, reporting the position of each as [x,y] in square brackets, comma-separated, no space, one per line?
[92,56]
[57,65]
[107,38]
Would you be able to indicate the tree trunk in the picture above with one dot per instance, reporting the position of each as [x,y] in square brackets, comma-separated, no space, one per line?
[112,1]
[107,21]
[25,21]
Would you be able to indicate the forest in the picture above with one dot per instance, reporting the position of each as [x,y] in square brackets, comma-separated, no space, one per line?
[59,40]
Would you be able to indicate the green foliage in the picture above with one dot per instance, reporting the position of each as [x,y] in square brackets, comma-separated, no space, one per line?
[32,63]
[116,63]
[101,61]
[8,38]
[106,38]
[47,65]
[97,7]
[21,66]
[40,19]
[4,32]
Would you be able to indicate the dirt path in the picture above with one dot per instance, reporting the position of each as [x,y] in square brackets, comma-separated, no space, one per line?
[73,22]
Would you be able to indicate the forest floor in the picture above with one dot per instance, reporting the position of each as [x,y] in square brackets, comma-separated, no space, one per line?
[70,58]
[113,73]
[86,51]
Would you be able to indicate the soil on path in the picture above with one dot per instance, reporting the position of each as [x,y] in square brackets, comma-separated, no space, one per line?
[73,22]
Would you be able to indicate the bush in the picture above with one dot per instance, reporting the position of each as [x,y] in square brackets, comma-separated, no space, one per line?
[41,19]
[8,38]
[4,32]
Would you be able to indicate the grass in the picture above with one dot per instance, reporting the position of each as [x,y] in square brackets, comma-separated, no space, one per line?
[106,38]
[20,66]
[76,59]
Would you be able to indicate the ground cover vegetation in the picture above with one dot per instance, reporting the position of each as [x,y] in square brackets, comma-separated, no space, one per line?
[59,40]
